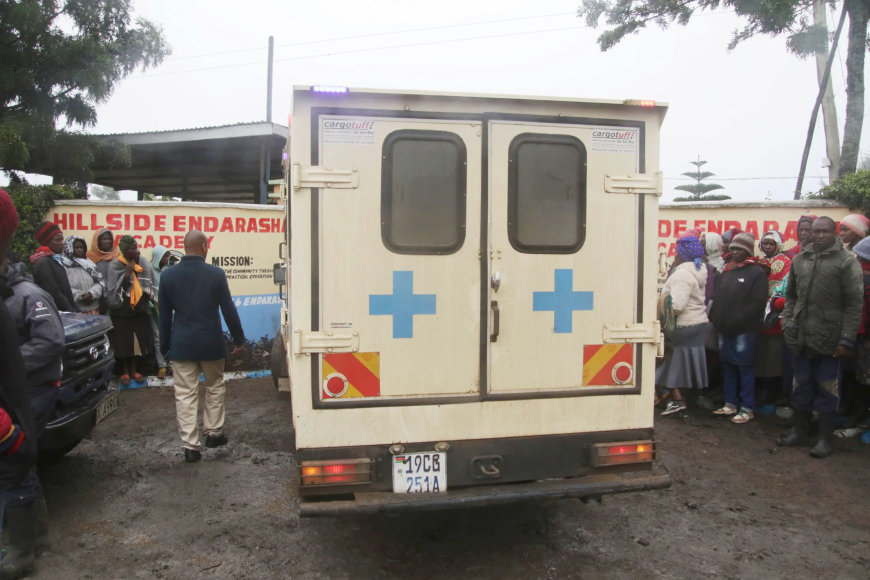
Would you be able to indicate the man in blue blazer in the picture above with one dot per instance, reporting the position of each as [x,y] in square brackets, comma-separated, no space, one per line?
[191,292]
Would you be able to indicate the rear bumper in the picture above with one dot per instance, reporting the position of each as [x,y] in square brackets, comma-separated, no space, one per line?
[369,503]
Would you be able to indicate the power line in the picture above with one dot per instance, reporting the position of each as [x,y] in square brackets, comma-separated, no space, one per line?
[746,178]
[359,50]
[443,27]
[378,34]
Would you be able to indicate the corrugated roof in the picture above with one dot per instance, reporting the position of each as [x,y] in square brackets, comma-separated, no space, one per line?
[188,129]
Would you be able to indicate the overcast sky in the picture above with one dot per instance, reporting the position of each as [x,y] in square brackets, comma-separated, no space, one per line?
[745,112]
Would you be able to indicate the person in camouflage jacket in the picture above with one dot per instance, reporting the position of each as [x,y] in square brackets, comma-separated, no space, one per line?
[822,316]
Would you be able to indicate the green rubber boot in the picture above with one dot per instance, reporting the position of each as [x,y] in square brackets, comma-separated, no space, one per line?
[18,561]
[42,544]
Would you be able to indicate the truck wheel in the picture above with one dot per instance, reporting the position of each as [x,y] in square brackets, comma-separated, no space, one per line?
[55,454]
[279,359]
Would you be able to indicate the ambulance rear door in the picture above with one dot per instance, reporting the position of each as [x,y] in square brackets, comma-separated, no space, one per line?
[398,260]
[565,257]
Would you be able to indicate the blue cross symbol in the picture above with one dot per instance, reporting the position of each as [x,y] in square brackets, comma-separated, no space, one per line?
[402,305]
[562,302]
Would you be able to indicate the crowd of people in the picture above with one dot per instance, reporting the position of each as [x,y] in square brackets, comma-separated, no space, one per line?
[750,325]
[67,276]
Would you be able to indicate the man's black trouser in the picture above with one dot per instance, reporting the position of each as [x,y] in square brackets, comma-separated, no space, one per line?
[43,399]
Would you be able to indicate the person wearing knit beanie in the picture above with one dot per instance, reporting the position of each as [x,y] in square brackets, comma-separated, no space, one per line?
[745,241]
[8,222]
[862,250]
[853,228]
[48,271]
[46,232]
[18,432]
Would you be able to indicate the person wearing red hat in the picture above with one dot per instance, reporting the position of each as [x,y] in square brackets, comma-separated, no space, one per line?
[17,449]
[48,271]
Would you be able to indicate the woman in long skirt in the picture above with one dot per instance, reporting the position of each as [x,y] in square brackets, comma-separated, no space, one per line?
[685,367]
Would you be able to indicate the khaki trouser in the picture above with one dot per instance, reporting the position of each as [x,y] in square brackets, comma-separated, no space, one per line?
[188,395]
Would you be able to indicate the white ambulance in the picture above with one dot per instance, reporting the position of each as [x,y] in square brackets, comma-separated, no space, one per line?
[473,298]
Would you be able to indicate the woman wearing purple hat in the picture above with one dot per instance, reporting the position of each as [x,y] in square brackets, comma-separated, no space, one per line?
[685,367]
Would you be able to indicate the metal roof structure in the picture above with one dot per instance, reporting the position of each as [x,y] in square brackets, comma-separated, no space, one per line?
[230,163]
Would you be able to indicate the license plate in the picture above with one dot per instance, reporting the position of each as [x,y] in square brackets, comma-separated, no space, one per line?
[420,472]
[107,407]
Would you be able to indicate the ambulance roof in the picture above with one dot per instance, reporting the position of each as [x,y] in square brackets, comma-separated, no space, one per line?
[630,102]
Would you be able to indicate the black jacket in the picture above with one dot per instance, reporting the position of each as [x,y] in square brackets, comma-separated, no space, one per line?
[51,277]
[191,292]
[14,396]
[40,329]
[741,297]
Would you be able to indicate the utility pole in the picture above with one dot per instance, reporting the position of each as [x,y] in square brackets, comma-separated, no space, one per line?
[265,152]
[272,59]
[826,76]
[829,109]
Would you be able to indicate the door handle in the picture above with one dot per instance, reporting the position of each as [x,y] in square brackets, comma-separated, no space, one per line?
[494,336]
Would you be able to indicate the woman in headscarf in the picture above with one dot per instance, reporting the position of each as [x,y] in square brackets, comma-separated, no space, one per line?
[737,314]
[102,252]
[86,282]
[770,360]
[804,233]
[685,366]
[713,248]
[129,292]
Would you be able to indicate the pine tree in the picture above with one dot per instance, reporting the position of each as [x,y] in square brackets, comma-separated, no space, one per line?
[700,189]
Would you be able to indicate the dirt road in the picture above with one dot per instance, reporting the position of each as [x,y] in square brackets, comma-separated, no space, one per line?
[124,505]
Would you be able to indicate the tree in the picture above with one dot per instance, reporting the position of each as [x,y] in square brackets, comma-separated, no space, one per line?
[32,203]
[59,60]
[699,190]
[791,18]
[852,190]
[102,192]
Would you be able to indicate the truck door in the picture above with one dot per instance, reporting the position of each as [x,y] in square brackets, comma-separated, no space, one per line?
[399,259]
[563,258]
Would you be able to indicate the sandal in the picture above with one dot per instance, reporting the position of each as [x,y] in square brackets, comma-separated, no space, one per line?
[137,378]
[161,374]
[125,380]
[742,417]
[726,411]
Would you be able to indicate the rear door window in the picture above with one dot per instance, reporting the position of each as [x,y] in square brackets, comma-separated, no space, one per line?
[423,192]
[547,194]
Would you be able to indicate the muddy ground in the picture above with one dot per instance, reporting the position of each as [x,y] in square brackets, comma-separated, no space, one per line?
[124,505]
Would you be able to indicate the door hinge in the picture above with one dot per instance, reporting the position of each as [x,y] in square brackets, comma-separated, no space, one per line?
[320,177]
[633,333]
[633,183]
[306,343]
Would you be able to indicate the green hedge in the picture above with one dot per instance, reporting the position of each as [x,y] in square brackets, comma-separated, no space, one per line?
[852,190]
[33,203]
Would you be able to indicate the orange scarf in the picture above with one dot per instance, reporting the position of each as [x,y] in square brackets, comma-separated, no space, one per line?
[136,289]
[95,254]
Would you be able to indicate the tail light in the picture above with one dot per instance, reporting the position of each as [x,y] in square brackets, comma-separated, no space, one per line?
[604,454]
[336,472]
